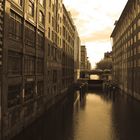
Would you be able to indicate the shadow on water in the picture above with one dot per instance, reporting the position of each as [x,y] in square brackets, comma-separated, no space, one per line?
[125,115]
[94,115]
[55,124]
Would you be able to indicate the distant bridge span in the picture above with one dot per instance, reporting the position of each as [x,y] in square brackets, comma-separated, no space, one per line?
[102,74]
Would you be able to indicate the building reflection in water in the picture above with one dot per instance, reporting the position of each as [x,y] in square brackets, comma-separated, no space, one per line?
[90,116]
[94,77]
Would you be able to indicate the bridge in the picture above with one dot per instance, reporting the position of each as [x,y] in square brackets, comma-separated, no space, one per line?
[87,78]
[103,74]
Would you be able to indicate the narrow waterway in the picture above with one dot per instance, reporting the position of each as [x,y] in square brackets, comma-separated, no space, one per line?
[92,116]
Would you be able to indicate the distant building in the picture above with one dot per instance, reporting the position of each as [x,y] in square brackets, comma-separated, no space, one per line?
[68,34]
[83,57]
[85,64]
[126,49]
[88,65]
[77,56]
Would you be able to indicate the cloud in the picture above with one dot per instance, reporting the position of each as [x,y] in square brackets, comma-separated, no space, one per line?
[75,13]
[102,35]
[96,50]
[95,22]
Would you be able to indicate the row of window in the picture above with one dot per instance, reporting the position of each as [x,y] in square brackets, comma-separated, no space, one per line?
[15,92]
[31,8]
[130,64]
[15,64]
[67,36]
[52,21]
[67,24]
[16,31]
[54,53]
[127,43]
[121,57]
[129,17]
[53,76]
[54,37]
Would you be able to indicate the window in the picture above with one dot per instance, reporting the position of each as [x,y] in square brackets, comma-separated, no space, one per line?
[31,8]
[14,63]
[14,95]
[55,52]
[40,65]
[40,88]
[49,50]
[29,35]
[49,17]
[138,62]
[138,49]
[52,21]
[41,2]
[15,26]
[40,40]
[138,22]
[29,91]
[19,2]
[135,38]
[49,33]
[41,17]
[52,37]
[29,65]
[54,76]
[53,8]
[50,3]
[138,35]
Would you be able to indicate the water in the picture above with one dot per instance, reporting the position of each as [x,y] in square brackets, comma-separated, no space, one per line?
[92,116]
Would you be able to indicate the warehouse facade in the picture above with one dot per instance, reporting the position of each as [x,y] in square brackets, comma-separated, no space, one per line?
[36,60]
[126,49]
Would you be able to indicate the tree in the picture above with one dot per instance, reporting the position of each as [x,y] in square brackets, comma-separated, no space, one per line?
[104,64]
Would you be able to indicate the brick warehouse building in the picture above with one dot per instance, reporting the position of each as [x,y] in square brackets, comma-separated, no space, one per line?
[126,49]
[37,50]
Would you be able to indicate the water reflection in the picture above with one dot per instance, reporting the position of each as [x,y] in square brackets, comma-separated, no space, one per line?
[90,116]
[94,77]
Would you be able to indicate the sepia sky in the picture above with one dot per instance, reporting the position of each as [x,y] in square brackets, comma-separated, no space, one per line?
[94,20]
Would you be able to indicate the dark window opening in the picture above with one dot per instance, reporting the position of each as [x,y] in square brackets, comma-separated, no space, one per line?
[40,88]
[40,66]
[31,8]
[14,95]
[15,26]
[29,65]
[40,40]
[29,35]
[41,17]
[14,63]
[29,91]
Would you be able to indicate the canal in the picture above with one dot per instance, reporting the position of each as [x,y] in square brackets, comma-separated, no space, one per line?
[92,116]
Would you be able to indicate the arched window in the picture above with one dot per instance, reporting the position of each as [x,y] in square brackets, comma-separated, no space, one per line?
[41,2]
[41,17]
[31,8]
[19,2]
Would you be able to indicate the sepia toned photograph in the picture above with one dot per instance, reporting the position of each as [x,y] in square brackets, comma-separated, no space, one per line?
[69,69]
